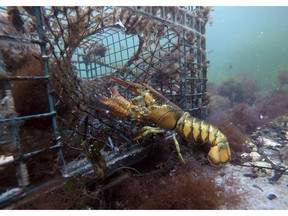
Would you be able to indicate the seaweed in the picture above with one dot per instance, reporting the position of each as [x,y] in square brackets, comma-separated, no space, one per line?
[283,78]
[240,121]
[239,89]
[217,104]
[246,118]
[60,195]
[190,186]
[274,105]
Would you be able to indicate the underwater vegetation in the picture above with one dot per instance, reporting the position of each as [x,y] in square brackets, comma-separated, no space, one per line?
[23,60]
[189,186]
[238,108]
[68,195]
[245,97]
[238,89]
[283,78]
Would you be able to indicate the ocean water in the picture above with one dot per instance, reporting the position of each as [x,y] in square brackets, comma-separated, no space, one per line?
[250,39]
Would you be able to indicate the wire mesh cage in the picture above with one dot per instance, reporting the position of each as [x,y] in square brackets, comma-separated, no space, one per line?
[74,49]
[163,45]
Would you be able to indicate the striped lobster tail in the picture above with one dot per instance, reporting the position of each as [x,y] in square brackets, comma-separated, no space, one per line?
[194,129]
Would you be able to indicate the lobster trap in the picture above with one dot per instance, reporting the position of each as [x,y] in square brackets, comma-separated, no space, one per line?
[77,47]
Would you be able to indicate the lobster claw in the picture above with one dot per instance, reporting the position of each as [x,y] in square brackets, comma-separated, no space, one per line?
[117,105]
[135,87]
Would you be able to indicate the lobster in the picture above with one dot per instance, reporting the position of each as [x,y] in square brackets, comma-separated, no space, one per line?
[152,105]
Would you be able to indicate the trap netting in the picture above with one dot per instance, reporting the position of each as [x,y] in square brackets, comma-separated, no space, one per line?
[162,46]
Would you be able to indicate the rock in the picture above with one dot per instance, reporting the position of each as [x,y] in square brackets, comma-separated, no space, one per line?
[251,175]
[255,156]
[244,155]
[271,152]
[256,186]
[252,147]
[284,155]
[222,174]
[252,156]
[247,168]
[271,196]
[262,169]
[269,143]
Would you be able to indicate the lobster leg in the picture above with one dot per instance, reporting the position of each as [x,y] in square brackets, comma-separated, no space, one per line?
[148,130]
[178,149]
[94,156]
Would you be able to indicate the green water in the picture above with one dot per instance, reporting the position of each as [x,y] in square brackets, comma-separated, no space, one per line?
[248,39]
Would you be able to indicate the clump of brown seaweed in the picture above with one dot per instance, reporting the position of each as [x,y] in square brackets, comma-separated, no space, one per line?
[283,78]
[187,187]
[247,109]
[239,89]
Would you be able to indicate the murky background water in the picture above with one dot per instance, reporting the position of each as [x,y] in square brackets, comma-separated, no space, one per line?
[248,39]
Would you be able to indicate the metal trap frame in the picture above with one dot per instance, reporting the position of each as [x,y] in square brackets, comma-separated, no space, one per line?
[9,121]
[163,46]
[181,50]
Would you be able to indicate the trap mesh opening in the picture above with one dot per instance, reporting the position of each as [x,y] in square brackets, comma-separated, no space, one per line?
[103,53]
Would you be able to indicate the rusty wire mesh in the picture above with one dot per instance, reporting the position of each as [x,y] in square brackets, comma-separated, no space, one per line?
[162,46]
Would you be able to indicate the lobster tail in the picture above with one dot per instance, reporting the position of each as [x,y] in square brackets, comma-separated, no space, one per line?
[219,154]
[200,131]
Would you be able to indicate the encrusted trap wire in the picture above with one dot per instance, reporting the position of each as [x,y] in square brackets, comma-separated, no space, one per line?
[162,46]
[10,121]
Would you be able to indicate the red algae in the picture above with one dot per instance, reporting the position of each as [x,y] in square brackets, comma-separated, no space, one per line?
[189,186]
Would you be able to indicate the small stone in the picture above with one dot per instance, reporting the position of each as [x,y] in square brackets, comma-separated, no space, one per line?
[265,130]
[244,155]
[251,175]
[248,175]
[283,124]
[247,167]
[222,174]
[270,152]
[255,156]
[259,168]
[269,142]
[271,196]
[284,155]
[256,186]
[252,147]
[255,135]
